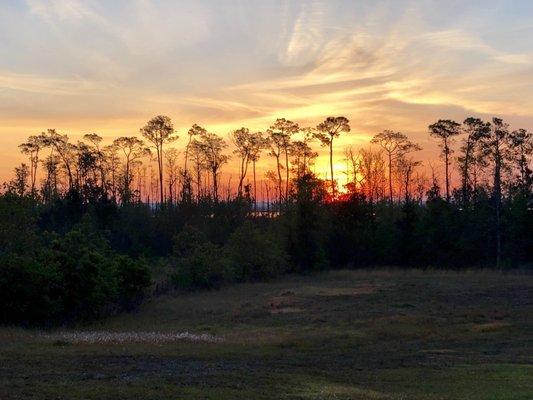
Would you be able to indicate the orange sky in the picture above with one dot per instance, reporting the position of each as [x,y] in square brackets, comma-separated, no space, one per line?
[108,67]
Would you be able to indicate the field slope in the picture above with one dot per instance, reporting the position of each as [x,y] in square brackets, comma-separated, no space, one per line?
[380,334]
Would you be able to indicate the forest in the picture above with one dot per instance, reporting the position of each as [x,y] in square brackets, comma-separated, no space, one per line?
[91,228]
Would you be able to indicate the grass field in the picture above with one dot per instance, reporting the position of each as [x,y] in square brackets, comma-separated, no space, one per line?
[381,334]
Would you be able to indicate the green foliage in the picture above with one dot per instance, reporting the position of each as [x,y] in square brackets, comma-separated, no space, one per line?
[29,291]
[255,254]
[18,218]
[200,264]
[69,278]
[133,278]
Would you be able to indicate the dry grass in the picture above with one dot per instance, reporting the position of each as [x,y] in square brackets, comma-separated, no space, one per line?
[104,337]
[380,334]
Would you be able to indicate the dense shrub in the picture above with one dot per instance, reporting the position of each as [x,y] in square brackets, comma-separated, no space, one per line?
[69,278]
[133,278]
[18,218]
[255,254]
[199,263]
[29,291]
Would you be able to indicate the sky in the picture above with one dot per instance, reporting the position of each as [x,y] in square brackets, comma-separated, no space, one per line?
[109,66]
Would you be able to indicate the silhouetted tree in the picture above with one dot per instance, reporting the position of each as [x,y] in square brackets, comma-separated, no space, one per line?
[302,157]
[475,129]
[405,167]
[243,140]
[95,142]
[19,184]
[65,150]
[521,147]
[196,155]
[171,157]
[158,131]
[280,134]
[372,170]
[328,130]
[259,142]
[133,150]
[396,146]
[195,131]
[445,130]
[32,148]
[111,166]
[212,147]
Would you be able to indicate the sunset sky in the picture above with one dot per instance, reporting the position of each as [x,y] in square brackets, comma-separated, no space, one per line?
[108,66]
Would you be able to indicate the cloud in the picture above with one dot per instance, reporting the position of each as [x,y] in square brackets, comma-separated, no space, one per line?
[70,11]
[52,86]
[225,64]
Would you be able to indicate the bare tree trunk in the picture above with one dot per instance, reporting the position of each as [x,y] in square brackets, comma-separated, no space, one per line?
[390,179]
[286,173]
[160,161]
[215,187]
[447,164]
[279,181]
[241,177]
[255,189]
[331,166]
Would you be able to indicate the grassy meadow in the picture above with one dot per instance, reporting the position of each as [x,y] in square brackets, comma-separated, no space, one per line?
[379,334]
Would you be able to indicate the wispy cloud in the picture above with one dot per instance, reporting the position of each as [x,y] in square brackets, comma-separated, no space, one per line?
[51,86]
[64,11]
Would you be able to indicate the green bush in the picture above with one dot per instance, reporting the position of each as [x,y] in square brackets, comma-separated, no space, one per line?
[199,263]
[255,254]
[29,291]
[133,278]
[17,224]
[69,278]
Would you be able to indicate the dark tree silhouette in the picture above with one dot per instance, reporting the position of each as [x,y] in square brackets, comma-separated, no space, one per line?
[328,130]
[212,147]
[280,134]
[396,146]
[474,129]
[64,149]
[95,142]
[132,149]
[521,152]
[445,130]
[158,131]
[195,131]
[243,141]
[259,143]
[32,148]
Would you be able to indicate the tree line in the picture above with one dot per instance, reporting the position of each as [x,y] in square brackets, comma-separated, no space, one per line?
[89,229]
[488,152]
[119,170]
